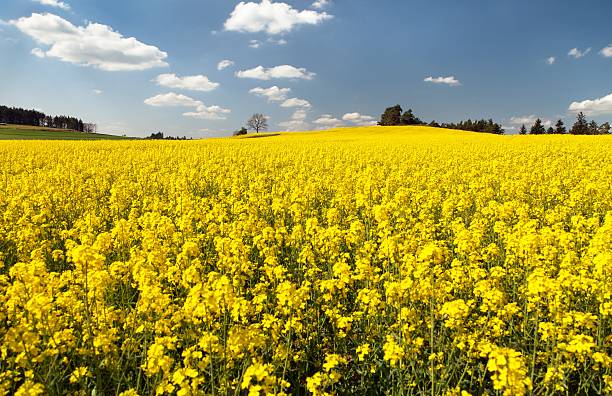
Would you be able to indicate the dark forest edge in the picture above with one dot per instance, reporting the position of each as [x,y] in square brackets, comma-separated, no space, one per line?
[395,116]
[19,116]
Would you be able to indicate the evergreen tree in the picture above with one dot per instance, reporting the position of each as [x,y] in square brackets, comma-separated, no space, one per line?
[523,130]
[434,124]
[604,129]
[537,128]
[593,128]
[550,131]
[581,127]
[391,116]
[560,127]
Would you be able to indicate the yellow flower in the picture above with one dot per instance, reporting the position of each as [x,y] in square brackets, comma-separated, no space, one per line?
[79,373]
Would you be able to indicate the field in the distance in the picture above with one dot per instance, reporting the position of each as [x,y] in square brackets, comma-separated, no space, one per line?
[365,261]
[26,132]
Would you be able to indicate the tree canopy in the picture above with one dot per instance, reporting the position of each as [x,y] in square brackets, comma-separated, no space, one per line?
[258,122]
[19,116]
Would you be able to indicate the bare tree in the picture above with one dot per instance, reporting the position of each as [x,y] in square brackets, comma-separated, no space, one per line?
[258,122]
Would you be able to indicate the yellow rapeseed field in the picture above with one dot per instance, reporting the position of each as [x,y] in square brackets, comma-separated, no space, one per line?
[358,261]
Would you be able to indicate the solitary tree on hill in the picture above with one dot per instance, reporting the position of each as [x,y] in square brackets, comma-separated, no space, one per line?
[258,122]
[391,116]
[560,127]
[538,128]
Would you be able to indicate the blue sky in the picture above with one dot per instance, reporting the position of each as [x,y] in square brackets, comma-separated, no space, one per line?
[138,66]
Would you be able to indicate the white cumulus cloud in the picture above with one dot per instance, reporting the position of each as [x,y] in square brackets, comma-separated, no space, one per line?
[224,64]
[296,102]
[551,60]
[595,107]
[38,53]
[270,17]
[97,92]
[194,83]
[201,111]
[277,72]
[54,3]
[328,121]
[319,4]
[451,80]
[607,52]
[359,119]
[519,120]
[297,122]
[273,94]
[277,42]
[94,45]
[530,120]
[576,53]
[172,99]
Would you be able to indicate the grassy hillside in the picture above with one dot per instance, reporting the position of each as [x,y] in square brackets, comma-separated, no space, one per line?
[25,132]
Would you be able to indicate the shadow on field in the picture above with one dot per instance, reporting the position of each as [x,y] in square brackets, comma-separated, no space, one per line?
[261,136]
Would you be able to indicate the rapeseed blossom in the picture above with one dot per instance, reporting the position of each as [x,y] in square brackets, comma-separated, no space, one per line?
[404,260]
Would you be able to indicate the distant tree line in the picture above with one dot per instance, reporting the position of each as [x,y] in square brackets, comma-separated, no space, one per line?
[486,126]
[160,136]
[18,116]
[581,127]
[394,116]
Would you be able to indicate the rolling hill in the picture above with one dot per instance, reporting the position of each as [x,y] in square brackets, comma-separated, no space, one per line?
[26,132]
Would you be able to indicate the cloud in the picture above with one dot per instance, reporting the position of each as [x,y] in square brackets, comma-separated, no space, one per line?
[576,53]
[201,111]
[273,94]
[54,3]
[194,83]
[328,121]
[593,107]
[297,122]
[526,120]
[319,4]
[607,52]
[172,99]
[94,45]
[224,64]
[529,120]
[359,119]
[38,52]
[295,102]
[551,60]
[277,42]
[451,80]
[282,71]
[97,92]
[272,18]
[254,44]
